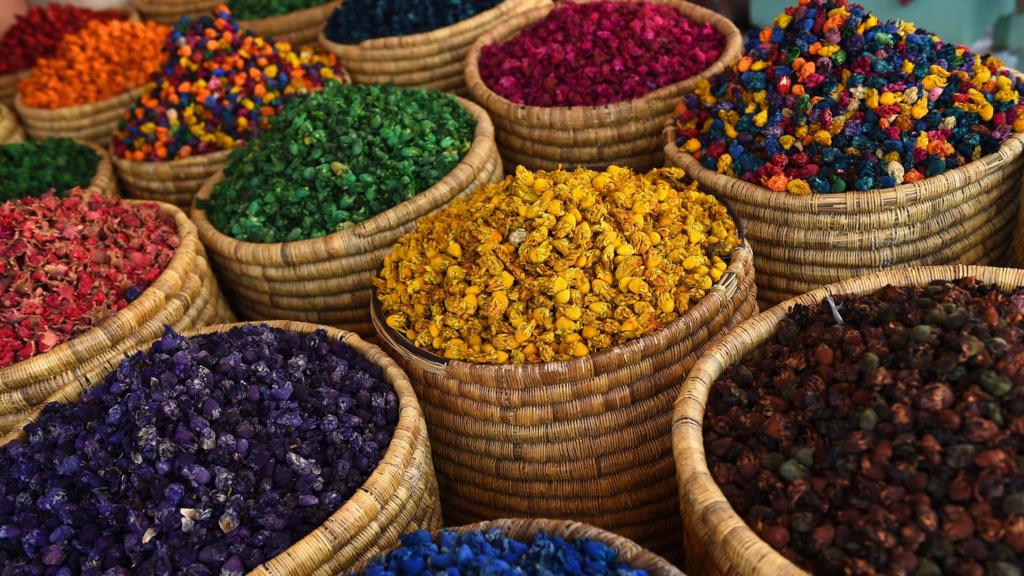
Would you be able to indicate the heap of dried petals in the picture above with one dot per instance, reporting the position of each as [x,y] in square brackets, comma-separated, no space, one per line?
[68,264]
[554,265]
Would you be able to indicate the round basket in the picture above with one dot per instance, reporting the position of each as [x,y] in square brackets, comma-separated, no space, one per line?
[9,86]
[432,60]
[585,439]
[525,529]
[327,280]
[185,295]
[299,28]
[93,122]
[170,11]
[399,497]
[175,181]
[716,539]
[625,134]
[10,130]
[965,215]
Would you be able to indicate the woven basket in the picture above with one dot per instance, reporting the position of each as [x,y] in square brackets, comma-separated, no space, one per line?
[103,182]
[10,130]
[626,133]
[966,215]
[9,86]
[432,60]
[327,280]
[185,295]
[93,122]
[716,539]
[170,11]
[299,28]
[525,529]
[586,439]
[175,182]
[399,497]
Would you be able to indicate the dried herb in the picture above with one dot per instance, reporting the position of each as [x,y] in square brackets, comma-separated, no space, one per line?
[203,456]
[358,20]
[256,9]
[33,168]
[492,552]
[555,265]
[68,264]
[337,157]
[888,444]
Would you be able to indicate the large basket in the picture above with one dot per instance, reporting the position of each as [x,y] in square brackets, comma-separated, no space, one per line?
[399,497]
[9,86]
[94,122]
[965,215]
[626,133]
[327,280]
[299,28]
[175,181]
[525,529]
[10,130]
[170,11]
[717,541]
[585,439]
[432,60]
[185,295]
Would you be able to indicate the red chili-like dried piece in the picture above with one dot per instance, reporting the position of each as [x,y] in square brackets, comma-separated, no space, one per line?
[38,33]
[68,264]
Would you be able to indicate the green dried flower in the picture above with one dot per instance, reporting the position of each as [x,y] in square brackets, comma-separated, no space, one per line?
[34,168]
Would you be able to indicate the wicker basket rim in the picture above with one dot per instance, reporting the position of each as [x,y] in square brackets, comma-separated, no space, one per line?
[704,309]
[518,528]
[311,11]
[731,51]
[82,110]
[690,405]
[180,267]
[198,159]
[482,133]
[848,202]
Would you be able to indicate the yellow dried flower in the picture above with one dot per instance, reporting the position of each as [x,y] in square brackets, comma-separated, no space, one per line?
[555,265]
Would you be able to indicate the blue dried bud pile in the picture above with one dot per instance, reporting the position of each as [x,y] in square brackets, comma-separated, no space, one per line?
[203,456]
[491,553]
[359,20]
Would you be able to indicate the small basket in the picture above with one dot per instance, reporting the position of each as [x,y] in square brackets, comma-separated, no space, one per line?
[399,497]
[299,28]
[185,295]
[524,530]
[93,122]
[431,60]
[586,439]
[327,280]
[625,133]
[10,130]
[965,215]
[716,539]
[170,11]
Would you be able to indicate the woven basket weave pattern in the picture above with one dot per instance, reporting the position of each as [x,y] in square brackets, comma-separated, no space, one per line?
[170,11]
[93,122]
[585,439]
[10,129]
[717,540]
[299,28]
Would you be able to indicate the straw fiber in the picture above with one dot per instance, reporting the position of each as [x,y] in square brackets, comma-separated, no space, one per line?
[185,295]
[103,182]
[299,28]
[10,130]
[9,86]
[965,215]
[625,133]
[399,497]
[524,530]
[585,439]
[94,122]
[170,11]
[432,60]
[327,280]
[174,182]
[716,539]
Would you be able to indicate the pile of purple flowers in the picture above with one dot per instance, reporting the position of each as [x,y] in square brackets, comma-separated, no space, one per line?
[203,456]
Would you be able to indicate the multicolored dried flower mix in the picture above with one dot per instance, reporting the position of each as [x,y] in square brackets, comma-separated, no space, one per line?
[555,265]
[66,265]
[34,168]
[830,98]
[220,86]
[599,53]
[203,456]
[890,443]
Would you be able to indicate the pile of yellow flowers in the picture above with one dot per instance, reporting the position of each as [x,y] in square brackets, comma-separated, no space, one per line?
[554,265]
